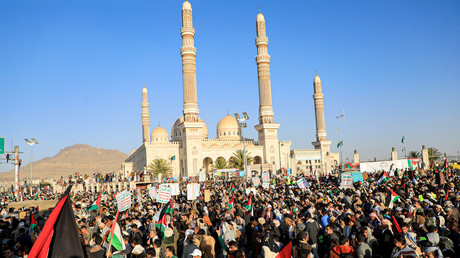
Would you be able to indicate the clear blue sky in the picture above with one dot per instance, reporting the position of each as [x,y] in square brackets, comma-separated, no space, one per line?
[72,71]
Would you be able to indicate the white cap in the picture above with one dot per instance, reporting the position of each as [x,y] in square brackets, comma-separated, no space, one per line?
[196,252]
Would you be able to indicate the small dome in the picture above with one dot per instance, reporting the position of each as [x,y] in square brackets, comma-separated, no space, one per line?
[159,134]
[317,79]
[175,132]
[228,128]
[186,5]
[144,89]
[260,17]
[133,152]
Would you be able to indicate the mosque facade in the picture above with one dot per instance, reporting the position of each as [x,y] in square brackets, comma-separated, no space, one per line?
[189,149]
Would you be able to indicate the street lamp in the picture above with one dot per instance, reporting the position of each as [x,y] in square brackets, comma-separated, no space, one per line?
[243,125]
[338,130]
[31,143]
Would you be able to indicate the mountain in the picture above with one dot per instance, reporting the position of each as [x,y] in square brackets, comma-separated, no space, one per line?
[81,158]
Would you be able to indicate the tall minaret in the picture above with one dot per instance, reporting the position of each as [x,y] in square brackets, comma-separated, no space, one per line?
[188,53]
[267,129]
[145,116]
[321,142]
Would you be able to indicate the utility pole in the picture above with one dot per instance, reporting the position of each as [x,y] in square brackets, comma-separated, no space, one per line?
[16,171]
[340,141]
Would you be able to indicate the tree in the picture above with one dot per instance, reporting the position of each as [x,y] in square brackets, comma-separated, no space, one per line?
[433,154]
[159,166]
[413,155]
[237,160]
[220,163]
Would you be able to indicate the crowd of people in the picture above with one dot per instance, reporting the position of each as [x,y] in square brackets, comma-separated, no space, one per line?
[405,216]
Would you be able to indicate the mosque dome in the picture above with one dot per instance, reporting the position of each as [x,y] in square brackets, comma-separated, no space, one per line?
[316,79]
[132,152]
[175,132]
[228,128]
[159,134]
[260,17]
[186,5]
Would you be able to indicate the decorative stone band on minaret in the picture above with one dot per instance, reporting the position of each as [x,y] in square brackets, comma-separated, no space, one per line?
[188,53]
[319,110]
[263,72]
[145,116]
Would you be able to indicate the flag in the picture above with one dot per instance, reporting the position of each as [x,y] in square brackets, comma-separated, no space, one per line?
[396,224]
[232,188]
[169,209]
[173,157]
[33,223]
[117,240]
[161,223]
[403,140]
[340,144]
[294,209]
[230,205]
[409,163]
[96,204]
[59,237]
[249,204]
[391,198]
[286,252]
[445,166]
[383,179]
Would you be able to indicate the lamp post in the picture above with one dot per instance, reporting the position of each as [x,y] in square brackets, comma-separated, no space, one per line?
[338,130]
[244,125]
[279,152]
[31,142]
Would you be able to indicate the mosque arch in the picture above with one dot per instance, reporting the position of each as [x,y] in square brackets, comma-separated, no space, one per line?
[207,164]
[257,160]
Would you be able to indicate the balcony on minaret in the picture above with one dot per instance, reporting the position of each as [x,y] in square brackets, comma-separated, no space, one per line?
[187,31]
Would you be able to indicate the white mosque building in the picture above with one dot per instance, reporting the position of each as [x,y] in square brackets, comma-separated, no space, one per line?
[190,150]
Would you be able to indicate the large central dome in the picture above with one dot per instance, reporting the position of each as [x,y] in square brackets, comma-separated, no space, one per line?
[175,132]
[228,129]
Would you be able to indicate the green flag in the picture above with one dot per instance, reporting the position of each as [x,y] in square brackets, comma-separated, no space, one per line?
[173,157]
[340,144]
[403,139]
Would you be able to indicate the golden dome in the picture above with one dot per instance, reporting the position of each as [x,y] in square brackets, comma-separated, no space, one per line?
[133,152]
[228,122]
[186,5]
[317,79]
[228,128]
[260,17]
[159,134]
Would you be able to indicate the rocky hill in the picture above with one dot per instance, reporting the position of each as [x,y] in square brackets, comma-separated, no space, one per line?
[81,158]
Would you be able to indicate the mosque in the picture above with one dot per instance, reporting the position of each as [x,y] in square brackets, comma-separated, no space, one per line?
[190,151]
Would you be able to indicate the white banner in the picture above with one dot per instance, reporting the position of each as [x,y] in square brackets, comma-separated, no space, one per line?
[265,180]
[346,180]
[202,177]
[123,200]
[164,194]
[153,193]
[302,183]
[383,165]
[175,189]
[256,181]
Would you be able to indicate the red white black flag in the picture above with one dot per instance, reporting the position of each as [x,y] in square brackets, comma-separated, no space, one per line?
[59,237]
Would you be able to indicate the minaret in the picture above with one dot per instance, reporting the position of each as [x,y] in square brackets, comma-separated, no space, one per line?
[267,129]
[145,116]
[321,142]
[188,53]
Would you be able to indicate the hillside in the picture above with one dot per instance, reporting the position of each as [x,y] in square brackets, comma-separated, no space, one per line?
[81,158]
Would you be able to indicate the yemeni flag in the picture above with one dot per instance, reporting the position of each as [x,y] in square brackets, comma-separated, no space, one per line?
[33,223]
[161,223]
[169,209]
[59,237]
[232,188]
[383,179]
[286,252]
[117,240]
[230,205]
[249,204]
[391,198]
[96,204]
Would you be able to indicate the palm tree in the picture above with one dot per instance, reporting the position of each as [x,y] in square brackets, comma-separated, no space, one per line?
[237,160]
[433,154]
[220,163]
[159,166]
[413,154]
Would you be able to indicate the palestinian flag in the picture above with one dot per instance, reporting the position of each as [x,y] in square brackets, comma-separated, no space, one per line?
[59,237]
[230,205]
[391,198]
[96,204]
[232,188]
[286,252]
[117,240]
[33,223]
[249,204]
[445,166]
[169,209]
[160,220]
[409,164]
[383,179]
[294,209]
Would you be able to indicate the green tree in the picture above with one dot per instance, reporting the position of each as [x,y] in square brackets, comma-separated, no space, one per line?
[413,155]
[433,154]
[237,160]
[220,163]
[159,166]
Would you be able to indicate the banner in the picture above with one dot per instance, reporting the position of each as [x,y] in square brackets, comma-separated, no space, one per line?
[357,176]
[124,200]
[175,189]
[191,192]
[302,183]
[400,164]
[347,180]
[197,190]
[202,177]
[153,193]
[207,195]
[164,194]
[256,181]
[265,180]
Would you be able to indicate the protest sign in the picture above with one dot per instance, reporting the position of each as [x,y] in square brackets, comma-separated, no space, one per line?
[123,200]
[202,177]
[265,180]
[164,194]
[207,195]
[256,181]
[191,192]
[153,193]
[302,183]
[347,180]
